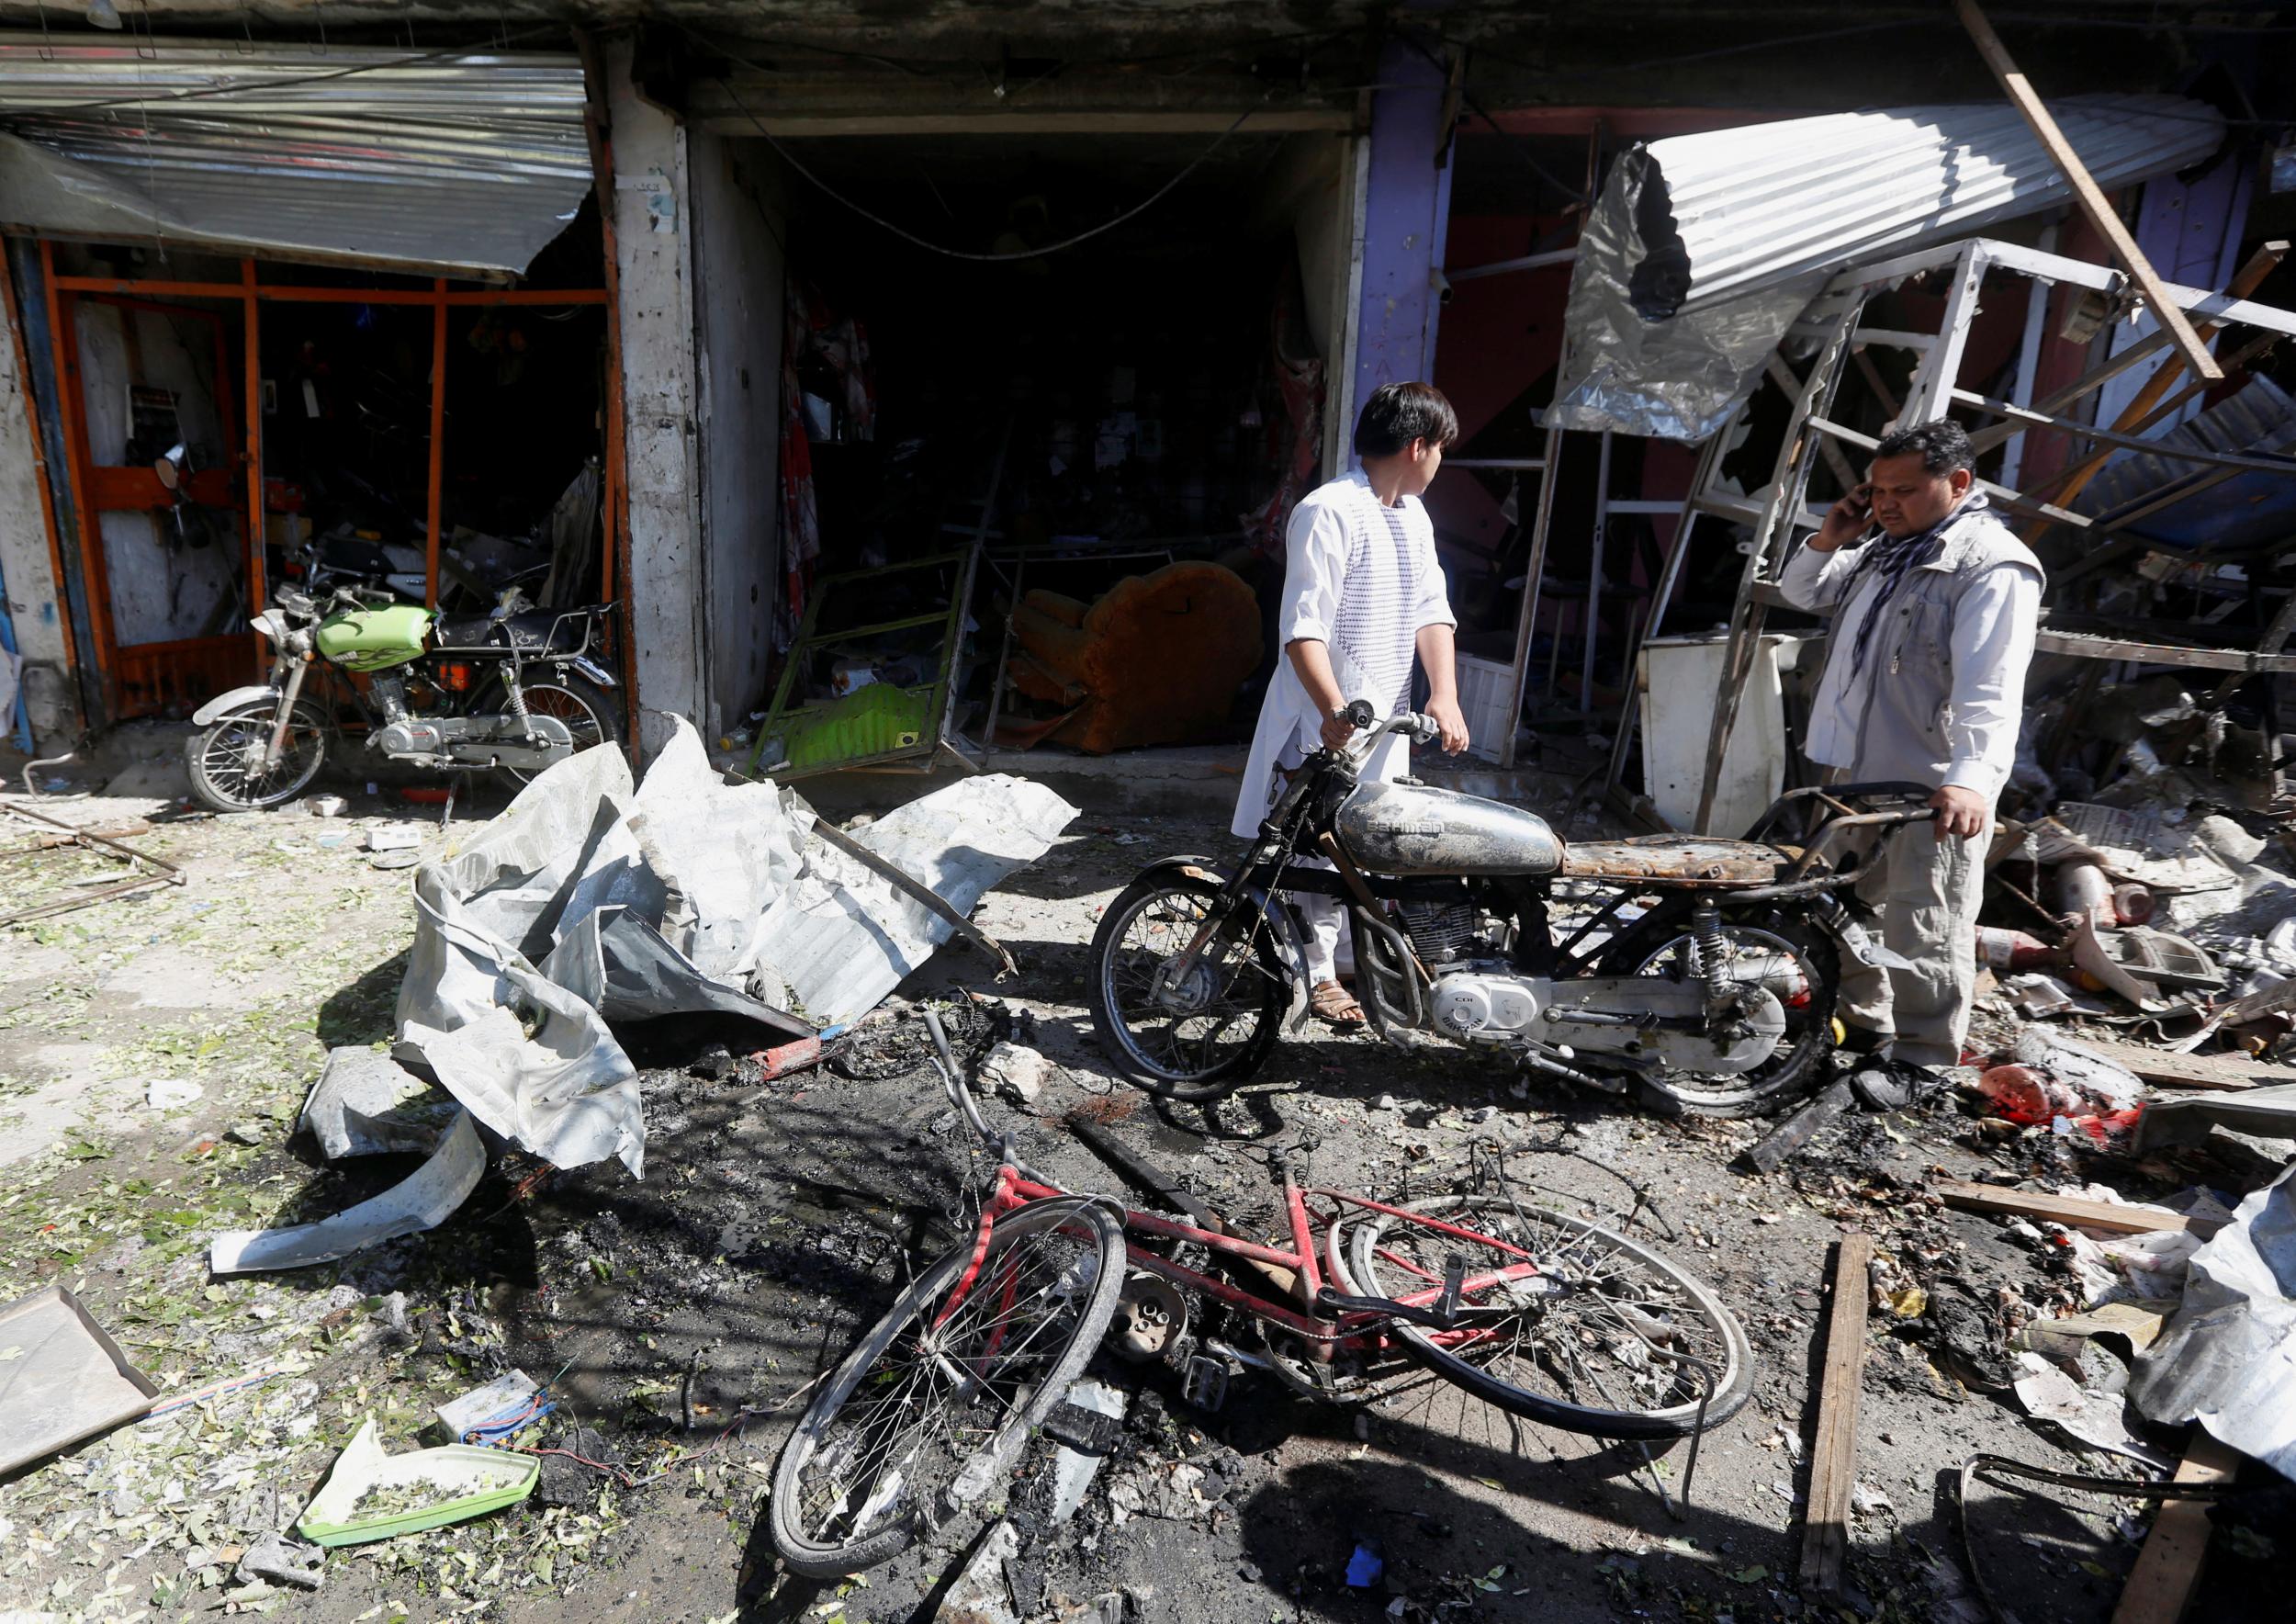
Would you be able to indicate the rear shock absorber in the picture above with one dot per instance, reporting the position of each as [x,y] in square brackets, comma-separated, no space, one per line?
[1713,953]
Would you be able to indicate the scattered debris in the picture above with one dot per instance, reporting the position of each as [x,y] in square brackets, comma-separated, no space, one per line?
[1017,1072]
[365,1103]
[370,1495]
[423,1201]
[169,1093]
[2228,1357]
[489,1413]
[277,1560]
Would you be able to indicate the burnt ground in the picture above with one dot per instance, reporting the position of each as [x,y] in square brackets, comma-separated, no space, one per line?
[683,1316]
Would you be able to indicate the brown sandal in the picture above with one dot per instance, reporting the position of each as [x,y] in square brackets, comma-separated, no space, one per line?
[1334,1004]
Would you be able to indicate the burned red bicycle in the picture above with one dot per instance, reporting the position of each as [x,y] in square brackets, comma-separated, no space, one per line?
[1484,1309]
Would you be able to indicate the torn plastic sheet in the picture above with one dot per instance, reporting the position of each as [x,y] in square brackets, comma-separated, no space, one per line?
[589,901]
[422,1201]
[2228,1359]
[2093,1417]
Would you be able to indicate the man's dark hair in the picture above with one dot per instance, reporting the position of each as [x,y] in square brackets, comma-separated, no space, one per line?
[1942,445]
[1398,413]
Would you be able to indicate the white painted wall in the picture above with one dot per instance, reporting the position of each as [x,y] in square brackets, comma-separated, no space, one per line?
[653,238]
[159,593]
[740,231]
[35,606]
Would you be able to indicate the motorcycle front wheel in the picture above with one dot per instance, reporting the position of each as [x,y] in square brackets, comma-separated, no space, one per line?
[226,759]
[1196,1041]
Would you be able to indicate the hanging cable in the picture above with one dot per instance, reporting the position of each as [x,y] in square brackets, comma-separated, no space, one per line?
[965,253]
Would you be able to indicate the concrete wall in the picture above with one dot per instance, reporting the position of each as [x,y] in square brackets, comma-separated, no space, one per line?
[740,231]
[34,605]
[1313,192]
[653,233]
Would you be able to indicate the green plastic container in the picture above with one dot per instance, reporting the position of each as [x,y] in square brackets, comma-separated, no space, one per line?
[453,1483]
[375,639]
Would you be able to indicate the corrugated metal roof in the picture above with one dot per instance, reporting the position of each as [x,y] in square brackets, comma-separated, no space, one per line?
[467,161]
[2249,510]
[1758,206]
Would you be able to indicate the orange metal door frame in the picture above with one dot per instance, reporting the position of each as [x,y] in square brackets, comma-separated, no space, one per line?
[249,292]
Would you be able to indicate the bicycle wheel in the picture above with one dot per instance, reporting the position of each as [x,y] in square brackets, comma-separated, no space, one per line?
[930,1411]
[1197,1039]
[1592,1338]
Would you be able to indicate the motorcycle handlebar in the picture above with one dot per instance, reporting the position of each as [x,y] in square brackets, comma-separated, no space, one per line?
[1421,730]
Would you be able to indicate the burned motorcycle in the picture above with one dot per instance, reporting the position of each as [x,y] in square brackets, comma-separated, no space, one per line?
[1704,972]
[517,689]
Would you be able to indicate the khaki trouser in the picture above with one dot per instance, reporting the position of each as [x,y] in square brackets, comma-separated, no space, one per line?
[1928,891]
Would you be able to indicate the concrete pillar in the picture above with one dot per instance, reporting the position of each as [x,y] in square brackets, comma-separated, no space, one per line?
[34,605]
[654,258]
[1407,212]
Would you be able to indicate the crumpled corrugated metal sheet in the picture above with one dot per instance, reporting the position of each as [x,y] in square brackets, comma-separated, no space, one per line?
[466,162]
[2249,510]
[1703,249]
[2227,1358]
[588,901]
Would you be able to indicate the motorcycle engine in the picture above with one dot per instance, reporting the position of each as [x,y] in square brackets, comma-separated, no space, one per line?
[1441,932]
[1478,1006]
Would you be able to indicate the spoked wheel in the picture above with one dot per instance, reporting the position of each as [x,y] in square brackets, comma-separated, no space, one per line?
[589,712]
[227,762]
[1193,1036]
[929,1414]
[1796,964]
[1563,1321]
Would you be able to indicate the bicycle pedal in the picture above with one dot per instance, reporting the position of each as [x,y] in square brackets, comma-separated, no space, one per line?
[1205,1382]
[1088,1432]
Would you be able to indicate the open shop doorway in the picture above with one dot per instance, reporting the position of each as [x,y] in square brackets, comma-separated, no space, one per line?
[1035,501]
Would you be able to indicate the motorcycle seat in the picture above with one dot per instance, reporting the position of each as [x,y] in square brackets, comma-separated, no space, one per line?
[537,628]
[1678,860]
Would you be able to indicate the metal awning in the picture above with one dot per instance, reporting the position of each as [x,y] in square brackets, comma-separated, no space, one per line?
[464,161]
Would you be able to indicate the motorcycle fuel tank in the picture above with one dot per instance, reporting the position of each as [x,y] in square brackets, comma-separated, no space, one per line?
[1407,828]
[374,639]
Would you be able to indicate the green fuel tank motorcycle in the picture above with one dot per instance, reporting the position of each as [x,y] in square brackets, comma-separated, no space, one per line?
[516,690]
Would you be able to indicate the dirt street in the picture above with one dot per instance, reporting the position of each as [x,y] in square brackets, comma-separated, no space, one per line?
[679,1321]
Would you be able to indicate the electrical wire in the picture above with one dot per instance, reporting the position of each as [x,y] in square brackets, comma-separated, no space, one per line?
[227,91]
[911,237]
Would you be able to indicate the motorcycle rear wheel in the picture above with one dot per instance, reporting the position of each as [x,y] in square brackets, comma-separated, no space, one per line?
[1801,1053]
[589,713]
[1200,1051]
[225,761]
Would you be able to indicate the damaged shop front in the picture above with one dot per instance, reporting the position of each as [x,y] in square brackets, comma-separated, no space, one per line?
[275,325]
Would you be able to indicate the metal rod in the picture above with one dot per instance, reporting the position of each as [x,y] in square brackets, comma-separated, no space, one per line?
[1595,576]
[910,886]
[2027,419]
[434,502]
[1662,594]
[1518,670]
[1529,262]
[2029,358]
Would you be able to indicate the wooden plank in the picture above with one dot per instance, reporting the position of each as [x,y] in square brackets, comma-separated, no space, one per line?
[2091,199]
[2083,646]
[2170,1069]
[2070,1210]
[2167,1570]
[1833,1458]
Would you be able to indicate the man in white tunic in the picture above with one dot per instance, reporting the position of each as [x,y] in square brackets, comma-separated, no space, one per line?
[1933,625]
[1363,596]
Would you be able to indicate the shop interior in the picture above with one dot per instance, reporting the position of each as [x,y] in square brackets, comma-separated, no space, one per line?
[357,457]
[1131,410]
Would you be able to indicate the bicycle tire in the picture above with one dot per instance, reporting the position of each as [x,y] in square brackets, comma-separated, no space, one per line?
[1126,1056]
[925,1505]
[1734,1382]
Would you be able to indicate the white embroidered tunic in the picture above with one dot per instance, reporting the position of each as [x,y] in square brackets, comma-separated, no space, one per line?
[1362,578]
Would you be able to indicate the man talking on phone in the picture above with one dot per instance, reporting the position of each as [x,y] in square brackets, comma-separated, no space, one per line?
[1933,606]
